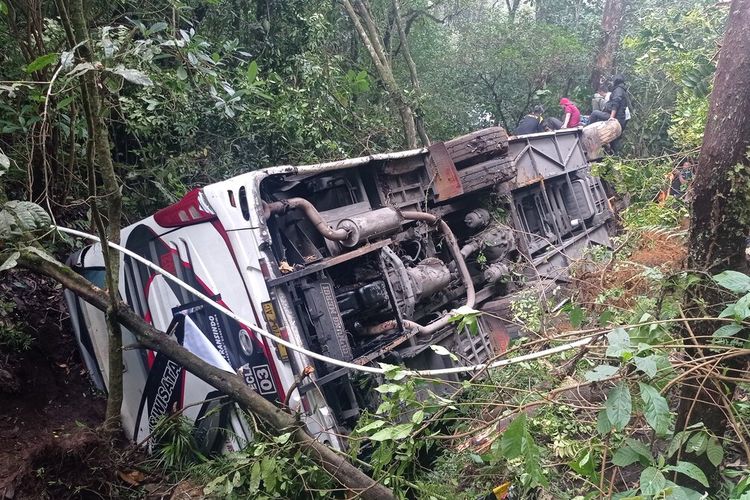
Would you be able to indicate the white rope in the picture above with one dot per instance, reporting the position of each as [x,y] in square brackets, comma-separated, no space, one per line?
[312,354]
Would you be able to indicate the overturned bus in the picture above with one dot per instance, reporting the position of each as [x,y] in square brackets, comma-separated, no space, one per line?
[360,260]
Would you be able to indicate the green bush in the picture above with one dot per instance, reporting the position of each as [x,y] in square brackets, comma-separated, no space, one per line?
[668,214]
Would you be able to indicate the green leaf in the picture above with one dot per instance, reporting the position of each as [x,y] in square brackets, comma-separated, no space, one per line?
[618,343]
[255,477]
[647,365]
[728,311]
[213,486]
[656,409]
[734,281]
[181,73]
[714,451]
[42,62]
[385,406]
[252,72]
[80,68]
[10,262]
[697,443]
[603,425]
[652,481]
[113,85]
[514,441]
[377,424]
[619,406]
[674,492]
[742,485]
[605,318]
[601,372]
[28,216]
[576,317]
[388,388]
[268,473]
[690,470]
[625,456]
[466,317]
[442,351]
[393,372]
[518,442]
[282,438]
[677,441]
[742,308]
[585,464]
[727,330]
[4,163]
[64,102]
[418,417]
[3,8]
[640,448]
[157,27]
[394,433]
[134,76]
[633,451]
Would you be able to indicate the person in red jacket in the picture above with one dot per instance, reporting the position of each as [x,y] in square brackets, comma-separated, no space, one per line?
[571,115]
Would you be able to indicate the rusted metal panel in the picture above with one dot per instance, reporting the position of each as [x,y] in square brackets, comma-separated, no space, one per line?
[390,346]
[446,183]
[403,165]
[328,262]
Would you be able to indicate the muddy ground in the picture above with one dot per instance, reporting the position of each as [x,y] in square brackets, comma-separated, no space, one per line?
[47,405]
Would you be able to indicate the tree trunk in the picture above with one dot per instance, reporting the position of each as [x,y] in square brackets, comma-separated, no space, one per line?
[25,24]
[230,384]
[512,6]
[368,34]
[99,155]
[406,51]
[543,11]
[720,221]
[611,28]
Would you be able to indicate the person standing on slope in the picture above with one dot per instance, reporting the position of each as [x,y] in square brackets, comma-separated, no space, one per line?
[571,115]
[601,96]
[618,108]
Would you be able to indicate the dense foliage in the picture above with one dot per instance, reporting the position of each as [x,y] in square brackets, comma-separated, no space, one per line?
[196,91]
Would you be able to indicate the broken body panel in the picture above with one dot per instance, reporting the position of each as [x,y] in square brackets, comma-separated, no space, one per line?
[360,260]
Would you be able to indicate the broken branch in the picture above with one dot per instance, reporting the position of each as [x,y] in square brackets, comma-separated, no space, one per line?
[228,383]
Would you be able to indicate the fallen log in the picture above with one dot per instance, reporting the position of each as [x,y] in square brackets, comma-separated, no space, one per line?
[230,384]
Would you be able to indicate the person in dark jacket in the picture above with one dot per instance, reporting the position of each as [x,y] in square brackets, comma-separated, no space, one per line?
[531,123]
[617,106]
[552,123]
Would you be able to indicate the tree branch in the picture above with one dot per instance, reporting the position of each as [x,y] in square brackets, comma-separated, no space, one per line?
[371,41]
[228,383]
[99,153]
[419,122]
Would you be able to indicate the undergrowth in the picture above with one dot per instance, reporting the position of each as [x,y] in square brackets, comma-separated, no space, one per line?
[13,338]
[591,422]
[269,466]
